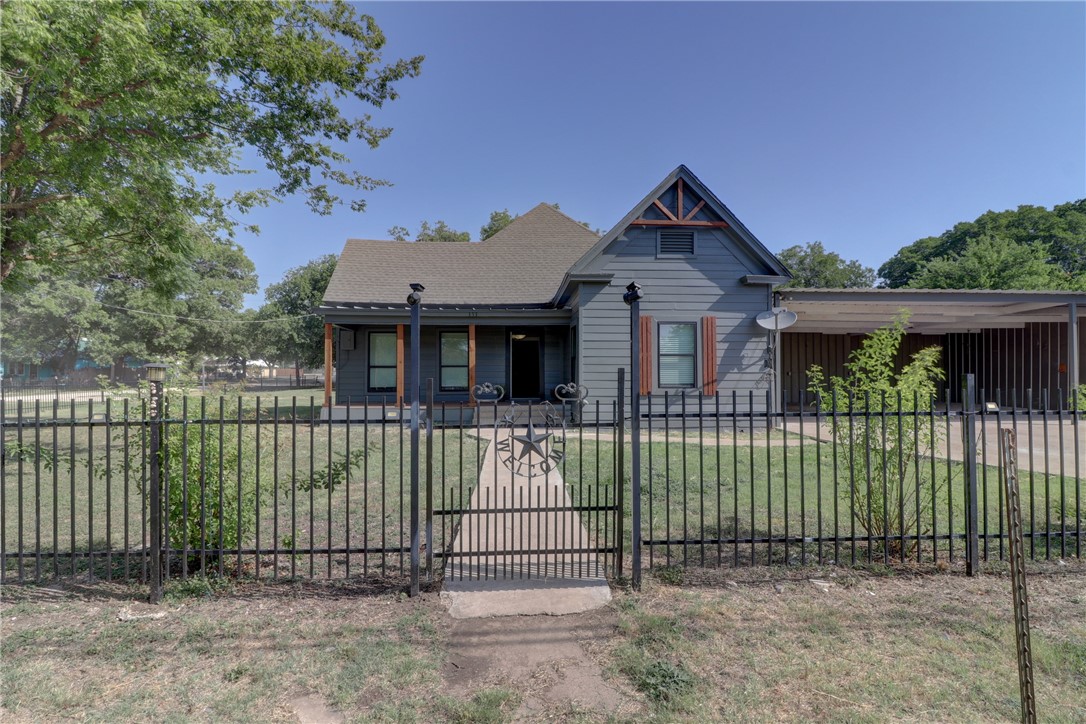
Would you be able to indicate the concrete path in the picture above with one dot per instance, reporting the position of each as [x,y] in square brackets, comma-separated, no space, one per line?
[520,549]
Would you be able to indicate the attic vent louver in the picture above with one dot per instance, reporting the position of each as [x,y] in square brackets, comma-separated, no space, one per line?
[676,242]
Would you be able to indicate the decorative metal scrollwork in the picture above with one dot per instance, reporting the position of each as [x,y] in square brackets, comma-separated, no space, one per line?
[488,392]
[571,392]
[551,416]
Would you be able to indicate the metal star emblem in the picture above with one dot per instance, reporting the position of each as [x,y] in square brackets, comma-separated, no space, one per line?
[531,442]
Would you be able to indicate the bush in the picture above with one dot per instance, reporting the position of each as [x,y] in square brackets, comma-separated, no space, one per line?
[891,482]
[199,506]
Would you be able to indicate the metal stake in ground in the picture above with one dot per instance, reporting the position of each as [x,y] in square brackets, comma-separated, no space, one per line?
[1018,575]
[413,299]
[632,297]
[156,375]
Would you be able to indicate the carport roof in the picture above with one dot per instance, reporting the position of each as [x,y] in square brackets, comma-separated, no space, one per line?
[933,311]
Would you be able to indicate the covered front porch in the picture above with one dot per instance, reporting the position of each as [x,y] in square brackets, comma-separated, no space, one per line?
[525,353]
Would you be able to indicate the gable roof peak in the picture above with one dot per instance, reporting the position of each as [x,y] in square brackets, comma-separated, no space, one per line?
[738,230]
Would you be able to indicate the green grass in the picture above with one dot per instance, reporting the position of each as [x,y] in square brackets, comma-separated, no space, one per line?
[745,488]
[370,510]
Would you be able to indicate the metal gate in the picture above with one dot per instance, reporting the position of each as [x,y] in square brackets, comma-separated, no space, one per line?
[538,497]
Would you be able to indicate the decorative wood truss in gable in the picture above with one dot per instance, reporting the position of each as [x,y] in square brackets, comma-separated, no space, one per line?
[679,206]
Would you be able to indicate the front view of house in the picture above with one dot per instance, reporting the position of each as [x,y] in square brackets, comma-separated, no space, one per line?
[540,304]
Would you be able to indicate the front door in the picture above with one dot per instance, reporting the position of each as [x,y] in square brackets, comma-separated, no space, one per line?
[525,365]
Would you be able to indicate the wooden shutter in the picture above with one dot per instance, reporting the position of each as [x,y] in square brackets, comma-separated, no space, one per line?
[708,355]
[645,383]
[400,385]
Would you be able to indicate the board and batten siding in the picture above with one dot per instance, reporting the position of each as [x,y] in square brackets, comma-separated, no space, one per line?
[675,290]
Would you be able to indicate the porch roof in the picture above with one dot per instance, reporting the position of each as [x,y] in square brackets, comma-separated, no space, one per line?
[934,311]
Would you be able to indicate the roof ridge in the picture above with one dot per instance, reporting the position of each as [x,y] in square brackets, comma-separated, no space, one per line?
[554,208]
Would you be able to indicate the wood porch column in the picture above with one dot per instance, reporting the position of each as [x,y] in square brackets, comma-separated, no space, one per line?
[327,365]
[399,364]
[471,358]
[1073,377]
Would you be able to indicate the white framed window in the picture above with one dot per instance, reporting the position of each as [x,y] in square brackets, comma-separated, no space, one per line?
[382,362]
[453,361]
[677,353]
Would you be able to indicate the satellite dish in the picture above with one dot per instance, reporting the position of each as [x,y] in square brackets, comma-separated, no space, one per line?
[777,319]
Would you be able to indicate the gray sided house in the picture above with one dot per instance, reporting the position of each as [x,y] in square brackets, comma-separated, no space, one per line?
[540,304]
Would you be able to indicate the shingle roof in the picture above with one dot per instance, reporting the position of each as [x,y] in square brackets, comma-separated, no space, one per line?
[524,263]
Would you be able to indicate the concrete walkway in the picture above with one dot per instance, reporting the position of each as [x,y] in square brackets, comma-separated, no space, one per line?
[521,549]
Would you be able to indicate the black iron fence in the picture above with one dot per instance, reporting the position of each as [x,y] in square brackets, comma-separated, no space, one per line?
[270,487]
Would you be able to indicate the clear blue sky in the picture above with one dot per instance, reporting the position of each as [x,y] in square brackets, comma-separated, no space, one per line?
[862,125]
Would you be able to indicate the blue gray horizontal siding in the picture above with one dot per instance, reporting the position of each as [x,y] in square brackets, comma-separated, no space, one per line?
[675,290]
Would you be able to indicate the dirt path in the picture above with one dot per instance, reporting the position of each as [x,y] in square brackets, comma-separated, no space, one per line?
[548,660]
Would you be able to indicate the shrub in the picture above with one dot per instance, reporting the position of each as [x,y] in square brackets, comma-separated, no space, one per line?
[887,454]
[199,505]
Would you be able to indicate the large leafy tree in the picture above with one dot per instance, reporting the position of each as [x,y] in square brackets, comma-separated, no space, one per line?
[814,267]
[995,262]
[54,319]
[438,231]
[498,221]
[115,115]
[296,333]
[1058,235]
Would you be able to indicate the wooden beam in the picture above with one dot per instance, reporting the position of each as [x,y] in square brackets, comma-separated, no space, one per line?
[695,211]
[399,364]
[471,359]
[645,383]
[668,222]
[708,360]
[665,210]
[327,365]
[679,205]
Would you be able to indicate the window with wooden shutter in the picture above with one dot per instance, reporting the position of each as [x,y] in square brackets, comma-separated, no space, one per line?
[676,347]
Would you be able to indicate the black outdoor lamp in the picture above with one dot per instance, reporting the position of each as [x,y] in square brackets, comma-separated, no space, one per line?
[416,294]
[633,293]
[155,372]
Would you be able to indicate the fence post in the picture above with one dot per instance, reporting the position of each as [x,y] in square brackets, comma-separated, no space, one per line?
[430,479]
[969,453]
[1016,554]
[632,297]
[414,388]
[155,376]
[620,472]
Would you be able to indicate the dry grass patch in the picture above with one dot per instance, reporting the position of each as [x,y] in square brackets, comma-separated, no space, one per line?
[228,653]
[767,644]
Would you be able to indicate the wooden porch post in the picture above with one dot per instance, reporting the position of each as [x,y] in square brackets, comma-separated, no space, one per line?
[471,358]
[399,364]
[327,365]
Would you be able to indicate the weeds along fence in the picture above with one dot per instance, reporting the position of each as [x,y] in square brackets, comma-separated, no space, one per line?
[264,487]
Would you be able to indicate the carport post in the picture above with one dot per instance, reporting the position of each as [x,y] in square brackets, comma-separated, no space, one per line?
[413,299]
[1073,379]
[969,449]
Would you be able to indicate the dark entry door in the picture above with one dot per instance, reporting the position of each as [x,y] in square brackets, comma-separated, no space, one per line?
[525,365]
